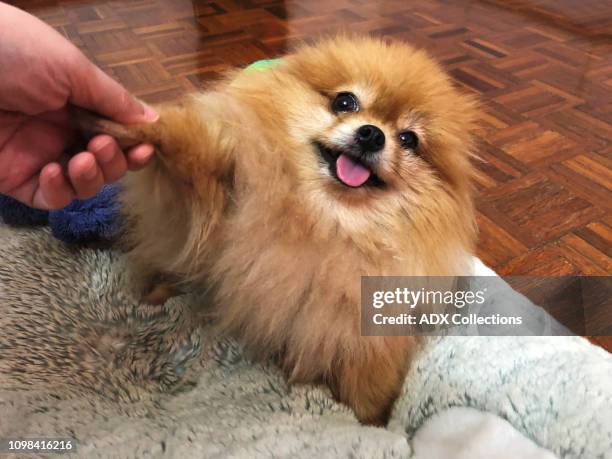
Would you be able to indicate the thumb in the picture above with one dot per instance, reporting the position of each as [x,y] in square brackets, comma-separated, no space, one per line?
[93,89]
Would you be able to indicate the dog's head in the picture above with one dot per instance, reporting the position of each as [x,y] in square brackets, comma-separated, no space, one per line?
[372,125]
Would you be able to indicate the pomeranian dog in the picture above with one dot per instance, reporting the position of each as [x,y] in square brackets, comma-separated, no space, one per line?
[280,188]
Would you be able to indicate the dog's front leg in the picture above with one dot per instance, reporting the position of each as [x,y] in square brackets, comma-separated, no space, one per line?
[369,375]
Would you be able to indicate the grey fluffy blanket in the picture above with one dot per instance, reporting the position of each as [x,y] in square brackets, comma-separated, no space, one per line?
[80,357]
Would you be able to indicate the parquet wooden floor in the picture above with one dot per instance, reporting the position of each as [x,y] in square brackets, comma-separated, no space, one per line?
[542,67]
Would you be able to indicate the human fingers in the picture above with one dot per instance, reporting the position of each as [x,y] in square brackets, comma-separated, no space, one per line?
[109,157]
[139,156]
[95,90]
[85,175]
[50,190]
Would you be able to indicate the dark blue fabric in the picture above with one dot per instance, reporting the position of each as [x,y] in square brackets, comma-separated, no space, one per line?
[88,220]
[15,213]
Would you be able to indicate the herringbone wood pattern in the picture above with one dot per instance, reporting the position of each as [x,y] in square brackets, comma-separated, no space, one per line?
[542,67]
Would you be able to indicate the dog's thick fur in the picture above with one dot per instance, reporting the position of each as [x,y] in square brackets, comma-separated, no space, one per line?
[238,198]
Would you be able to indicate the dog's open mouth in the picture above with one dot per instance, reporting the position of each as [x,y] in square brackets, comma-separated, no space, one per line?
[347,169]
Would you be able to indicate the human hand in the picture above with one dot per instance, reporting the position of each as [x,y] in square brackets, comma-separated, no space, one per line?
[41,75]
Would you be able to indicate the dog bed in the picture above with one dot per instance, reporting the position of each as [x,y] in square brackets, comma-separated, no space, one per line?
[81,358]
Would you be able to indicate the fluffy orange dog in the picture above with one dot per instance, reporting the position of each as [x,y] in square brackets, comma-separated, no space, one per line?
[281,188]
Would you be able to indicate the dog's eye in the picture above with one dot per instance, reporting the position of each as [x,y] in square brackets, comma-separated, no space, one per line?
[345,102]
[408,140]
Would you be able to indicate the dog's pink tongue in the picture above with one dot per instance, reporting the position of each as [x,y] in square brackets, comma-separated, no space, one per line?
[350,172]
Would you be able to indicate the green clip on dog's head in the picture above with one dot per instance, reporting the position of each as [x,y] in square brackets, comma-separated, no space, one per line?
[264,64]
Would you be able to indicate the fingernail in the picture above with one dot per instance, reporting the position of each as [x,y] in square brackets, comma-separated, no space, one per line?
[91,171]
[99,144]
[54,173]
[145,154]
[148,151]
[150,114]
[105,155]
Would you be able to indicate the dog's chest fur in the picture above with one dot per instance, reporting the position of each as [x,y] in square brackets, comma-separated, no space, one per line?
[294,288]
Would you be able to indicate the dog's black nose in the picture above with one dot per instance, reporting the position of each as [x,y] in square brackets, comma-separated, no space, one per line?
[370,138]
